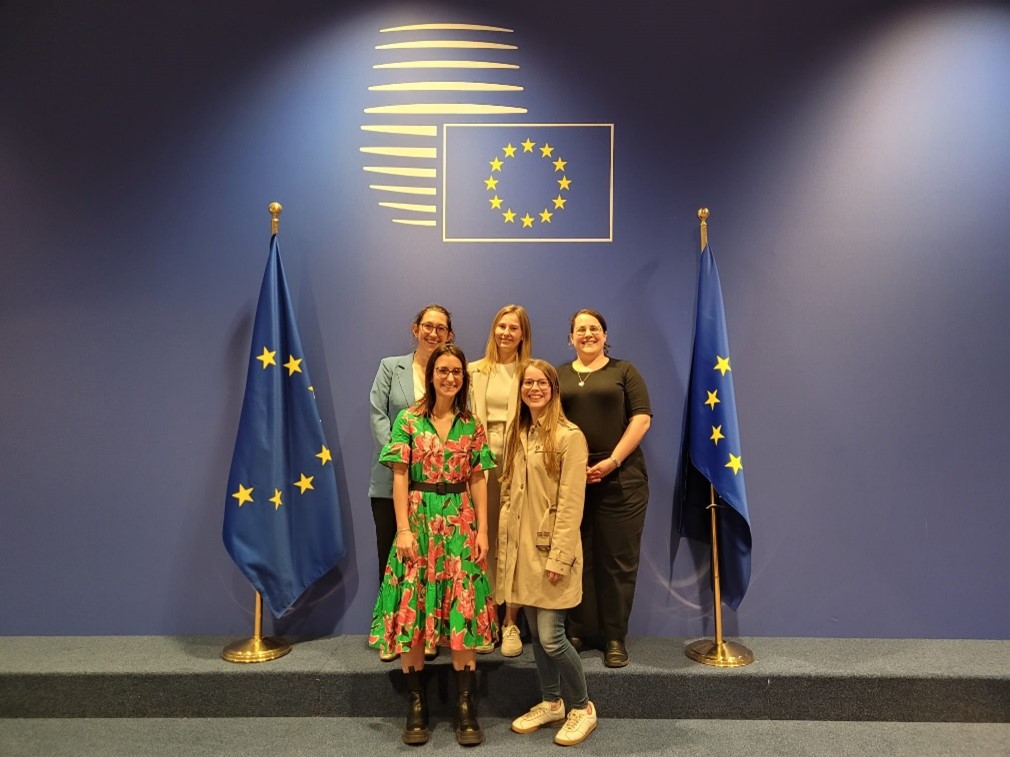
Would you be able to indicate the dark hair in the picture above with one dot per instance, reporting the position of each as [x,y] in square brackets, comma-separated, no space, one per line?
[595,314]
[459,402]
[438,308]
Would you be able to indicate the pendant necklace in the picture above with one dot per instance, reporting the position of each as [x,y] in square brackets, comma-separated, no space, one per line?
[582,379]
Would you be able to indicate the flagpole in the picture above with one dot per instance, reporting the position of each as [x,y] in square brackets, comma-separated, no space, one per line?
[719,653]
[259,648]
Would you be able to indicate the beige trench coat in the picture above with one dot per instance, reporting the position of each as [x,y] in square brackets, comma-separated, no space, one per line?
[539,524]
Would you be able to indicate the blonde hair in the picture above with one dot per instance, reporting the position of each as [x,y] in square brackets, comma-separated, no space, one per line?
[525,351]
[552,416]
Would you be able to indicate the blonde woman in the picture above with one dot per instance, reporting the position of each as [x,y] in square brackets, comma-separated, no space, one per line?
[540,549]
[494,399]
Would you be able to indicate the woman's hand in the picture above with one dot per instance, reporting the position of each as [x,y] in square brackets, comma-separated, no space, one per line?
[596,473]
[552,576]
[406,545]
[482,545]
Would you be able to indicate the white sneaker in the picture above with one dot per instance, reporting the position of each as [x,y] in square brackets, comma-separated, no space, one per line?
[542,714]
[579,725]
[511,643]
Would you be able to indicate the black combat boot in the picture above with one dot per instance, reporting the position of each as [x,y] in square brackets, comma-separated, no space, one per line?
[468,732]
[416,731]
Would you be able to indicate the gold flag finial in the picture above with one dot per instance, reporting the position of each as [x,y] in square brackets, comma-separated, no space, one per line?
[275,209]
[703,215]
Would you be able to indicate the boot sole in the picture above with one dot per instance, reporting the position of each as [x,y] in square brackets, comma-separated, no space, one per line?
[416,737]
[470,738]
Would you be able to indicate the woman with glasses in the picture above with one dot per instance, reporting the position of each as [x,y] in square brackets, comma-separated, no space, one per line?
[494,398]
[399,383]
[539,547]
[608,400]
[434,589]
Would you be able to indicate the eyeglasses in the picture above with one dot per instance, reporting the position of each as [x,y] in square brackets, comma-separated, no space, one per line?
[434,328]
[541,384]
[443,372]
[588,330]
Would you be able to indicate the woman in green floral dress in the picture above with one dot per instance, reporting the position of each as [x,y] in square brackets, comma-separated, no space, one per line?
[435,589]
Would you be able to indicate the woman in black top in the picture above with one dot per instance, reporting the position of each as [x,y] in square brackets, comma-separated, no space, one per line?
[609,402]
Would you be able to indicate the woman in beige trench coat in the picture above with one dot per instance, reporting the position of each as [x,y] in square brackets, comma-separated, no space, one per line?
[539,548]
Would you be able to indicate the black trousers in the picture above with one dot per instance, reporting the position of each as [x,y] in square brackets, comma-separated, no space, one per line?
[385,529]
[612,525]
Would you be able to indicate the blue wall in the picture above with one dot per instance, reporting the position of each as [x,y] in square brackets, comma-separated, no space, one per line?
[855,157]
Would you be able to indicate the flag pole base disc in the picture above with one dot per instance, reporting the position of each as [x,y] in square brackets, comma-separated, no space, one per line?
[729,654]
[256,649]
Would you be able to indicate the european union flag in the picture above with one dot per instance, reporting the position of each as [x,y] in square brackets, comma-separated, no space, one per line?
[527,182]
[712,446]
[282,513]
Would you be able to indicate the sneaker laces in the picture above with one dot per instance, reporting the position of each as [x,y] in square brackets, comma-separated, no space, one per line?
[573,719]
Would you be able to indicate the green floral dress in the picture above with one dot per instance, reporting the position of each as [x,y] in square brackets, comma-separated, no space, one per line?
[443,598]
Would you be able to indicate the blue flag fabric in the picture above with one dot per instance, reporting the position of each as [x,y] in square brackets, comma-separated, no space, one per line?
[528,182]
[282,513]
[712,444]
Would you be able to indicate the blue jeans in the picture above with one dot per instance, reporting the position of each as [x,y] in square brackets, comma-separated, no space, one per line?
[556,658]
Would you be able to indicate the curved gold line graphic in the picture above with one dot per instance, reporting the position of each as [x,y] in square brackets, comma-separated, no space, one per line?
[413,222]
[402,152]
[421,27]
[447,64]
[422,173]
[445,86]
[408,206]
[446,44]
[404,189]
[452,109]
[417,131]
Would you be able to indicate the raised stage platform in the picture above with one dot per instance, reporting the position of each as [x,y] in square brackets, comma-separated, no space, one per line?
[921,683]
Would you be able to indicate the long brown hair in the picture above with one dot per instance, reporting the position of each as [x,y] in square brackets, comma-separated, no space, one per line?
[459,402]
[525,346]
[552,416]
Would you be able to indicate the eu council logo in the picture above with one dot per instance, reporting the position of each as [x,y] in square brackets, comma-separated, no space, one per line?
[433,163]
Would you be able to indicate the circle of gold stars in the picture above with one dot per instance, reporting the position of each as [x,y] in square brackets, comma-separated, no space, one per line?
[555,205]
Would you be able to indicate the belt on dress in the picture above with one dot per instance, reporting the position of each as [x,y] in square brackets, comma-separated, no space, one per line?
[441,487]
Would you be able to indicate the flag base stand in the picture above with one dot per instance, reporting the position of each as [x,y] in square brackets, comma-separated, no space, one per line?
[256,649]
[259,648]
[727,654]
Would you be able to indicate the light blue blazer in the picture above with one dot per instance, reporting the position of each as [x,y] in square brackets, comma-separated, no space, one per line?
[392,391]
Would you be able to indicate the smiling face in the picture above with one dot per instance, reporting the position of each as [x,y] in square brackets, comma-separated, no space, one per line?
[508,335]
[447,376]
[588,337]
[536,390]
[431,331]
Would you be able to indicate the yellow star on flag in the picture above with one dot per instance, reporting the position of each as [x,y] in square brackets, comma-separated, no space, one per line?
[243,495]
[495,165]
[722,364]
[564,182]
[528,145]
[545,216]
[305,483]
[276,499]
[267,358]
[510,216]
[509,150]
[734,463]
[546,150]
[490,183]
[294,365]
[324,456]
[559,202]
[527,221]
[559,165]
[495,202]
[713,399]
[716,435]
